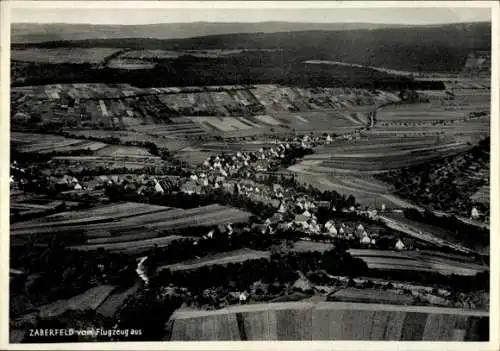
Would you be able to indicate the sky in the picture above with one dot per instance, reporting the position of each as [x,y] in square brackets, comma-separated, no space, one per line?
[318,15]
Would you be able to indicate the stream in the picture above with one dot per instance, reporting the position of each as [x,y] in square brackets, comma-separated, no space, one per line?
[141,271]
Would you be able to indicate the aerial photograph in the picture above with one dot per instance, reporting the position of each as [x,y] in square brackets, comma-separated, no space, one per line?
[256,174]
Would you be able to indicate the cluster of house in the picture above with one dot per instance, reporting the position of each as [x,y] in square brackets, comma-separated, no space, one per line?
[245,163]
[142,184]
[303,219]
[299,216]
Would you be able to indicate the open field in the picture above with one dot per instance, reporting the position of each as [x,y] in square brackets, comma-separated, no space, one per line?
[414,261]
[92,219]
[203,218]
[418,227]
[308,246]
[89,300]
[145,244]
[440,116]
[218,259]
[109,162]
[223,125]
[113,302]
[321,121]
[126,227]
[81,154]
[122,106]
[370,162]
[129,136]
[437,237]
[278,99]
[321,321]
[130,64]
[62,55]
[45,143]
[165,54]
[111,211]
[182,127]
[474,128]
[375,152]
[125,151]
[366,190]
[370,296]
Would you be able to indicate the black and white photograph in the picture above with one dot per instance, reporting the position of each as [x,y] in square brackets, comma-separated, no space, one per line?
[249,173]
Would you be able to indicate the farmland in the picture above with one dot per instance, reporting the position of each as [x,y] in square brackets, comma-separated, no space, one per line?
[467,171]
[178,119]
[126,227]
[445,116]
[402,135]
[324,122]
[373,162]
[414,261]
[110,104]
[62,55]
[370,296]
[218,259]
[115,300]
[368,191]
[320,321]
[91,299]
[439,234]
[308,246]
[130,137]
[45,143]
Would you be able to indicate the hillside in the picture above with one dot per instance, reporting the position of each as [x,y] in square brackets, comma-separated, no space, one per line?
[425,48]
[38,32]
[448,184]
[245,68]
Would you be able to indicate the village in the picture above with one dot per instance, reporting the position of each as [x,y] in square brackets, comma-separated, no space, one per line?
[246,174]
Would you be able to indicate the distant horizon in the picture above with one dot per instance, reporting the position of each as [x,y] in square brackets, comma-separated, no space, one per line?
[256,22]
[149,16]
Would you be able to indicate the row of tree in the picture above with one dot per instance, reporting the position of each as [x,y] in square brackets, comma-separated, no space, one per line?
[469,234]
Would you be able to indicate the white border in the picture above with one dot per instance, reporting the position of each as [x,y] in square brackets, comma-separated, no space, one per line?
[493,344]
[246,4]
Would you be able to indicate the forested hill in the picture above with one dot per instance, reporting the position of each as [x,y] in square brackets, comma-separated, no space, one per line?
[42,32]
[426,48]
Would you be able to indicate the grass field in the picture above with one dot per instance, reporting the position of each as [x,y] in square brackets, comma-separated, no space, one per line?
[129,136]
[96,219]
[130,64]
[133,246]
[218,259]
[45,143]
[204,217]
[308,246]
[320,121]
[370,296]
[375,154]
[366,190]
[327,321]
[89,300]
[181,128]
[116,300]
[62,55]
[127,227]
[440,234]
[125,151]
